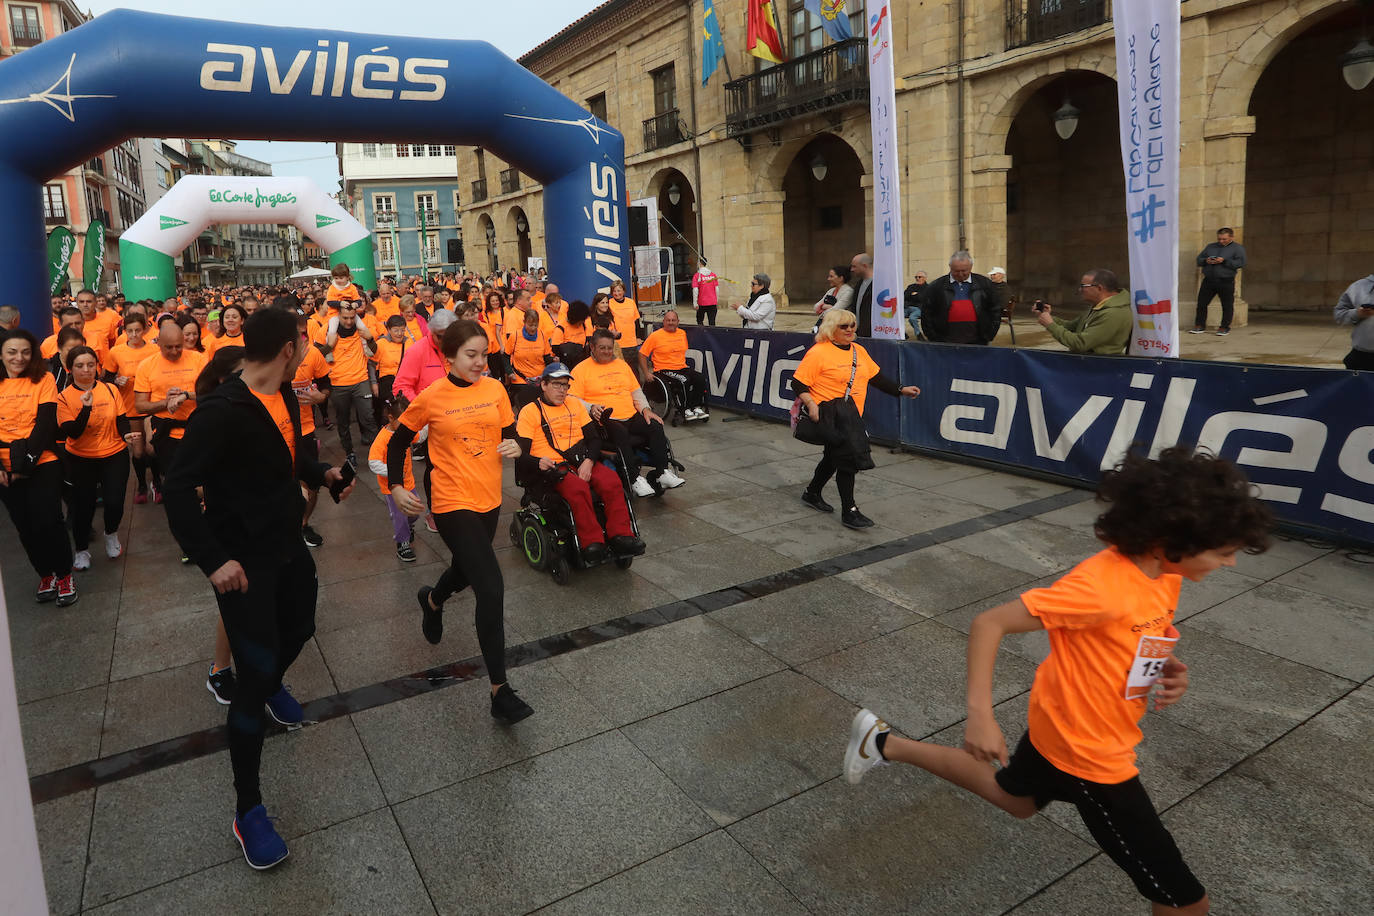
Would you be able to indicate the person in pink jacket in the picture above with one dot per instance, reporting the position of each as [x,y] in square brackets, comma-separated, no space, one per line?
[424,362]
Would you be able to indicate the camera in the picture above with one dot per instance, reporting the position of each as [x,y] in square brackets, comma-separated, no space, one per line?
[1038,305]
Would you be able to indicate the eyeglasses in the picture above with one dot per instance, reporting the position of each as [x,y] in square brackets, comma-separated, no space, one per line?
[1087,285]
[846,327]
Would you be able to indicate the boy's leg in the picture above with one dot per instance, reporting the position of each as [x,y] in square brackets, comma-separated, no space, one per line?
[959,767]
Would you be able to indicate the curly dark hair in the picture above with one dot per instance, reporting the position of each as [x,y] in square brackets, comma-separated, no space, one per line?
[1184,502]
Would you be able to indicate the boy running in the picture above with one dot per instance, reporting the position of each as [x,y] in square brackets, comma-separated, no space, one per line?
[1110,623]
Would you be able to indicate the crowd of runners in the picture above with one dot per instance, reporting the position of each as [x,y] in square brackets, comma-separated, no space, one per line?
[215,400]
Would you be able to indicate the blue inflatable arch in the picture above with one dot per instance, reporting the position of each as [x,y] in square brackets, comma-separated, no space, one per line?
[129,74]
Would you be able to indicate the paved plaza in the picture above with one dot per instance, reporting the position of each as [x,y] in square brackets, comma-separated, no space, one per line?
[690,717]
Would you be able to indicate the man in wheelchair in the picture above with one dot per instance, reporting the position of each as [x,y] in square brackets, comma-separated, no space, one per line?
[664,356]
[607,385]
[561,446]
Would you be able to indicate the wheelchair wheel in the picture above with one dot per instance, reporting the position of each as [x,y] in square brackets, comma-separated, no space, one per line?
[534,541]
[623,562]
[562,572]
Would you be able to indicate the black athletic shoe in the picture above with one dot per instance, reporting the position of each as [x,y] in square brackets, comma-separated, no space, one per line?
[654,483]
[815,501]
[627,545]
[405,552]
[508,707]
[593,553]
[222,684]
[432,621]
[311,536]
[853,518]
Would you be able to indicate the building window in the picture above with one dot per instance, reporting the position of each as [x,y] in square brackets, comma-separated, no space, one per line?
[665,89]
[450,149]
[54,203]
[24,26]
[597,105]
[436,150]
[385,252]
[431,248]
[424,203]
[369,151]
[457,205]
[402,150]
[386,150]
[417,150]
[383,209]
[805,30]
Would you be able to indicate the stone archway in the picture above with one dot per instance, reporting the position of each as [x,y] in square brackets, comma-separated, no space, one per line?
[677,227]
[518,226]
[488,238]
[823,214]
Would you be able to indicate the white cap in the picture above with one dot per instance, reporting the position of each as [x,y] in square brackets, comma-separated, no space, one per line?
[998,270]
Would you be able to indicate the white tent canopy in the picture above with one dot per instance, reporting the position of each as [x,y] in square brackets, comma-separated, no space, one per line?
[309,273]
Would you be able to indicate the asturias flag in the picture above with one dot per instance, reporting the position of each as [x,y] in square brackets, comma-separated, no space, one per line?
[834,17]
[763,39]
[712,45]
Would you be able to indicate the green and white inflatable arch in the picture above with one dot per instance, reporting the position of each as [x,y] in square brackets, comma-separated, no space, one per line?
[173,223]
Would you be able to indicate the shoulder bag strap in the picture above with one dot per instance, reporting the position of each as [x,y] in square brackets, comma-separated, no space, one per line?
[853,370]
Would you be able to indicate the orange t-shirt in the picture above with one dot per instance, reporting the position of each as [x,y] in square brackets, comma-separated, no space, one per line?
[20,399]
[100,438]
[611,385]
[97,342]
[385,309]
[214,343]
[825,370]
[317,329]
[527,356]
[1099,616]
[378,453]
[572,333]
[565,423]
[666,351]
[389,354]
[312,368]
[465,424]
[276,408]
[156,375]
[352,292]
[496,331]
[626,313]
[124,360]
[105,325]
[350,360]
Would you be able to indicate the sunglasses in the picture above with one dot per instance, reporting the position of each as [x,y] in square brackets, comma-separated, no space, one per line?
[846,327]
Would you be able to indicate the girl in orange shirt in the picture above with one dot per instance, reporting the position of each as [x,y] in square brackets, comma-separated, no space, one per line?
[231,319]
[121,367]
[92,416]
[30,476]
[190,330]
[494,324]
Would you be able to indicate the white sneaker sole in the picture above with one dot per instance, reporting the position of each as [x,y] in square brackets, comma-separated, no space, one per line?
[857,761]
[251,863]
[218,699]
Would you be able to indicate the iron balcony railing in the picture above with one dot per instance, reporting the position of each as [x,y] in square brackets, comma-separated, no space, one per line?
[833,77]
[1032,21]
[664,129]
[510,181]
[25,36]
[479,190]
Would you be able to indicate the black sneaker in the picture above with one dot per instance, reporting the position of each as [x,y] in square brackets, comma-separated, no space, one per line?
[508,707]
[593,553]
[627,545]
[311,536]
[815,501]
[853,518]
[654,483]
[222,684]
[1197,330]
[405,552]
[432,620]
[1223,332]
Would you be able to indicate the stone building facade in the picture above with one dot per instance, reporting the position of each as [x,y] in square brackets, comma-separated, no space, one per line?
[770,167]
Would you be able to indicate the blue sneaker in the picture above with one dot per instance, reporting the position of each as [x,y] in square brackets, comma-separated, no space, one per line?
[283,707]
[262,846]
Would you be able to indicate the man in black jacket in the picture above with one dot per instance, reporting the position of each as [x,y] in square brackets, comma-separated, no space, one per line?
[241,449]
[962,306]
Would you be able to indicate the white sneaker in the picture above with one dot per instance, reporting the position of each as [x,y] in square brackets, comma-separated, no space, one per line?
[691,413]
[113,549]
[641,487]
[862,753]
[82,560]
[668,479]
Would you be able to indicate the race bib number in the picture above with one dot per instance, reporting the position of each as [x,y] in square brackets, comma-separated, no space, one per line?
[1148,664]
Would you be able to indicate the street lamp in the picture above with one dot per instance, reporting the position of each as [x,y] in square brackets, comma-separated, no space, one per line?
[1357,65]
[674,194]
[819,167]
[1066,120]
[521,225]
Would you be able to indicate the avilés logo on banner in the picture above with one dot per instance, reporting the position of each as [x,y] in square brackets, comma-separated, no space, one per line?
[887,197]
[1147,65]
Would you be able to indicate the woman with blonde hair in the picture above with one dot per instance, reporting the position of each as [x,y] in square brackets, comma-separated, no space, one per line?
[832,384]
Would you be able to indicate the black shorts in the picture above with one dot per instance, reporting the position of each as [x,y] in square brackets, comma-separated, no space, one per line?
[1120,817]
[310,447]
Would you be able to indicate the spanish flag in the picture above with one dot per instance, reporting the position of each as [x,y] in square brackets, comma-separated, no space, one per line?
[763,38]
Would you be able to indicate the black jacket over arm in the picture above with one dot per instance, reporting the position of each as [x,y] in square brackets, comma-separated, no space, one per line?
[253,501]
[939,298]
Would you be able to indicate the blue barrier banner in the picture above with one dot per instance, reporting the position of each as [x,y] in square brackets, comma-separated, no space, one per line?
[1305,437]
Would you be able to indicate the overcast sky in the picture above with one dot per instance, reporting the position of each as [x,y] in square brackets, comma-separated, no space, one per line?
[514,27]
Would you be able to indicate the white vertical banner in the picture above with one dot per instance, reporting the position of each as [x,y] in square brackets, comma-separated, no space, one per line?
[21,870]
[1147,87]
[888,320]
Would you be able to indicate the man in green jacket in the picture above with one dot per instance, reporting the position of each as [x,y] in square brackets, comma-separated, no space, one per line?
[1104,328]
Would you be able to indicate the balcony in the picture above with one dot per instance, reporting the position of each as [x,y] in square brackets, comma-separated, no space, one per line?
[664,129]
[57,219]
[25,36]
[479,190]
[510,181]
[1033,21]
[430,217]
[833,77]
[382,218]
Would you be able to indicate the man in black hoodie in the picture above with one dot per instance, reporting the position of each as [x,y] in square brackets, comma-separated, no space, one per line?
[241,449]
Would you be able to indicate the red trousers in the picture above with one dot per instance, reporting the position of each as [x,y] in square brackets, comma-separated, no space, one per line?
[578,494]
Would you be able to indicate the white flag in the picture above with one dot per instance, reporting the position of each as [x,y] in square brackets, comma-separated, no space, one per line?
[887,318]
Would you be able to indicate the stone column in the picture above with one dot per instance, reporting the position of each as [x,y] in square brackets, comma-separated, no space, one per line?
[987,224]
[1220,197]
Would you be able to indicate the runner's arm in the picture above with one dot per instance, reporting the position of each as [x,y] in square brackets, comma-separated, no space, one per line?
[984,637]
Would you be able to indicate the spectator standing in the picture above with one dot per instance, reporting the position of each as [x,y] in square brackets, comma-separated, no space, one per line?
[1219,262]
[1104,328]
[861,273]
[1356,308]
[838,294]
[961,307]
[705,293]
[758,313]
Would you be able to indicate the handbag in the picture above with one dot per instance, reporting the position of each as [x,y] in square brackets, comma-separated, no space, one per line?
[822,431]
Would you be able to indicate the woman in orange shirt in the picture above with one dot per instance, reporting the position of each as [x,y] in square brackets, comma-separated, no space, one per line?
[529,351]
[471,429]
[626,312]
[231,319]
[30,476]
[121,367]
[494,324]
[190,332]
[92,417]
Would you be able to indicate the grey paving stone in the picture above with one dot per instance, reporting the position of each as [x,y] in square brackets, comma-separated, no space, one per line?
[1036,547]
[703,486]
[1097,886]
[923,473]
[710,875]
[817,536]
[997,490]
[1033,646]
[704,568]
[49,669]
[62,730]
[914,678]
[1332,750]
[936,579]
[1220,586]
[357,559]
[528,834]
[1282,556]
[815,619]
[689,444]
[908,511]
[729,456]
[1079,516]
[37,626]
[358,866]
[904,842]
[168,823]
[185,589]
[755,508]
[1299,625]
[790,473]
[387,594]
[545,608]
[64,830]
[1336,576]
[669,530]
[430,741]
[166,641]
[644,674]
[740,751]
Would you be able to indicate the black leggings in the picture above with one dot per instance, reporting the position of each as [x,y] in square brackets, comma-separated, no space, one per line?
[111,474]
[630,432]
[34,504]
[267,626]
[706,314]
[844,480]
[468,536]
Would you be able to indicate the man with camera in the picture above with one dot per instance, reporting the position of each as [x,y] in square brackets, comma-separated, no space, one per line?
[1356,308]
[1105,328]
